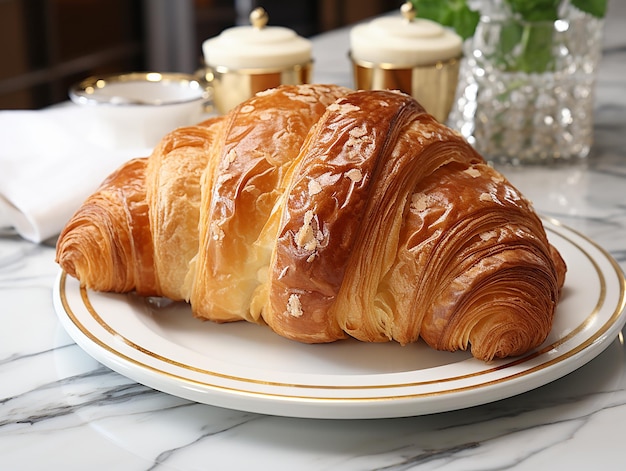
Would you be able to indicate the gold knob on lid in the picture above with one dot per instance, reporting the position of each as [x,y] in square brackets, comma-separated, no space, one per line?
[259,18]
[408,11]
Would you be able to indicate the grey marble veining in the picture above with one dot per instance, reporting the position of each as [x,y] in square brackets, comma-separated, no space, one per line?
[60,409]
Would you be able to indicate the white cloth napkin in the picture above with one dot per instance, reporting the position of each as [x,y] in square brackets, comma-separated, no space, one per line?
[49,164]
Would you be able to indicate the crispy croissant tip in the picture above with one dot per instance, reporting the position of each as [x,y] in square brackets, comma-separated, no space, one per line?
[511,343]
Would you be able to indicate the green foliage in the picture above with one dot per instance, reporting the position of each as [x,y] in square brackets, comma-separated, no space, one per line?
[453,13]
[593,7]
[535,10]
[528,32]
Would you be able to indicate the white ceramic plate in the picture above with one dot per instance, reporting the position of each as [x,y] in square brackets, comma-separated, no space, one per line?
[247,367]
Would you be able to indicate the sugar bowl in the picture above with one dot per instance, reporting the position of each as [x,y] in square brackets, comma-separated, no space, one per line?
[414,55]
[244,60]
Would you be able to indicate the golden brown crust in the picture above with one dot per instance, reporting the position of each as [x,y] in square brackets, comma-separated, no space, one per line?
[107,244]
[260,143]
[326,213]
[328,204]
[173,196]
[498,277]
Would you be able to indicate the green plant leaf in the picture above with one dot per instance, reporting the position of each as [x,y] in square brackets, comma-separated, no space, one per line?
[526,42]
[455,14]
[535,10]
[593,7]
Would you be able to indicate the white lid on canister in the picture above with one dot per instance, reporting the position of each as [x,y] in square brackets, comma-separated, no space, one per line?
[256,46]
[404,42]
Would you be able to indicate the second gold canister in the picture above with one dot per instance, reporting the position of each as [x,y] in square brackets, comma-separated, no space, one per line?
[417,56]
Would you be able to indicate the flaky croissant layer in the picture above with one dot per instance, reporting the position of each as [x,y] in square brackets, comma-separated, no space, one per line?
[326,213]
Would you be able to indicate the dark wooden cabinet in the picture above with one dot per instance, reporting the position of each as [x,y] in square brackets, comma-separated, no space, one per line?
[47,45]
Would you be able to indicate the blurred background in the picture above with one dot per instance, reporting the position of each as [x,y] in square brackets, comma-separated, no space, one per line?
[47,45]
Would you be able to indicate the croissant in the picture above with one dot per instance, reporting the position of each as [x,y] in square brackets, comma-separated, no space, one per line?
[326,213]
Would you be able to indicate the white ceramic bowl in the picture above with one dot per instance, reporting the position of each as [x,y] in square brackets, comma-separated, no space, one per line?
[137,109]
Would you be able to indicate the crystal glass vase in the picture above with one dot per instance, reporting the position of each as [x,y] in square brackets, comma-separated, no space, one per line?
[526,90]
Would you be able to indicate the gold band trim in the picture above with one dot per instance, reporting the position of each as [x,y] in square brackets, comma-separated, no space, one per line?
[588,320]
[390,66]
[259,70]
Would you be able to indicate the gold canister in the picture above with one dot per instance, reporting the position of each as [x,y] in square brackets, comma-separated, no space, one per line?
[232,86]
[434,85]
[416,56]
[245,60]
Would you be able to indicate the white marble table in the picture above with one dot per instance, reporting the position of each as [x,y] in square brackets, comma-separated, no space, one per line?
[61,410]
